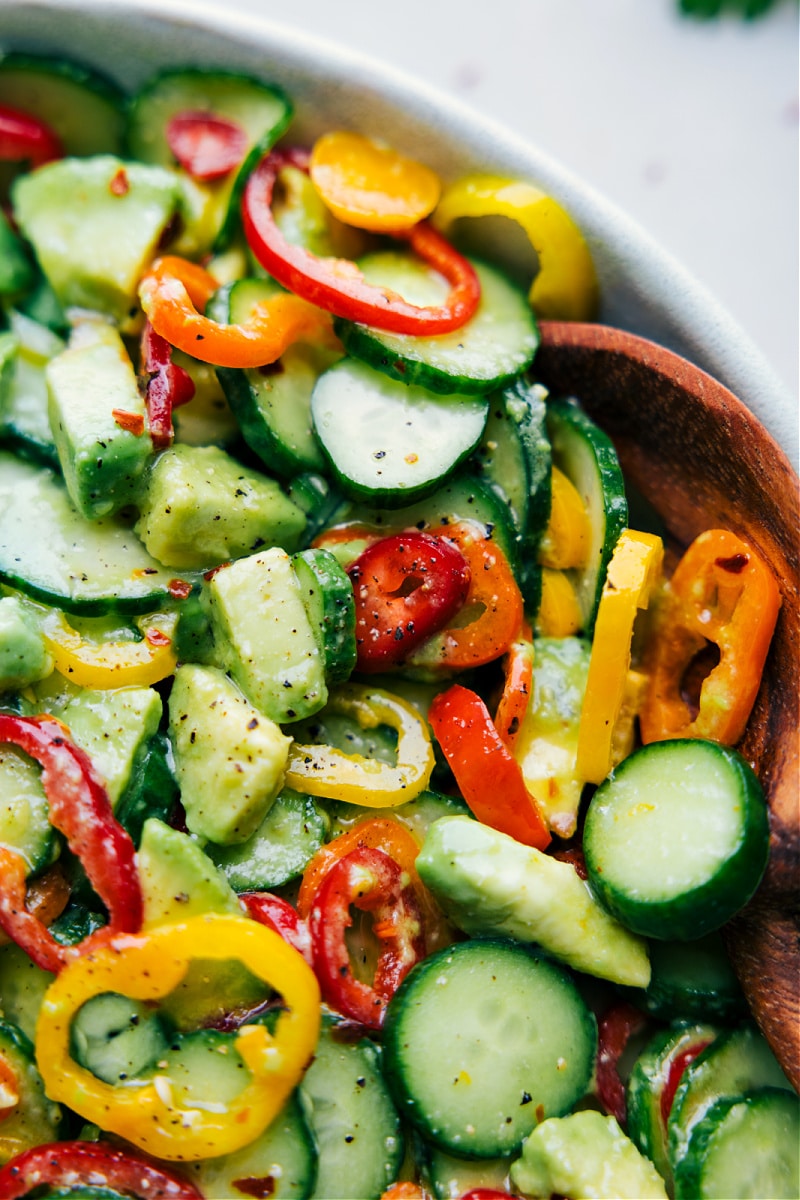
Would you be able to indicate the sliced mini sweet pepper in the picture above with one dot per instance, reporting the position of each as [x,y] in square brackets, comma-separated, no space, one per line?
[165,384]
[379,833]
[633,572]
[370,185]
[103,665]
[488,776]
[206,145]
[566,539]
[722,592]
[174,291]
[559,612]
[565,285]
[149,965]
[24,138]
[278,914]
[517,687]
[325,771]
[337,285]
[93,1166]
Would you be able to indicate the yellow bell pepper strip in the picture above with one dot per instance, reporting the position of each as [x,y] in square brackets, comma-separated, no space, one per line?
[370,185]
[633,572]
[173,292]
[565,285]
[721,592]
[517,687]
[91,1165]
[149,965]
[106,665]
[566,539]
[326,771]
[559,612]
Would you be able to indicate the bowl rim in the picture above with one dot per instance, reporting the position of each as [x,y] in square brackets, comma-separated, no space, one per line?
[647,290]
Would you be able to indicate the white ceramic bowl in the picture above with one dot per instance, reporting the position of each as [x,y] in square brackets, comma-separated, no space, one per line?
[643,289]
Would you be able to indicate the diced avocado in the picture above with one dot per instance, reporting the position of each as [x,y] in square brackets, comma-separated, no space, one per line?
[113,726]
[89,385]
[547,743]
[22,988]
[201,507]
[229,757]
[587,1156]
[178,878]
[95,225]
[258,615]
[488,883]
[24,657]
[32,1119]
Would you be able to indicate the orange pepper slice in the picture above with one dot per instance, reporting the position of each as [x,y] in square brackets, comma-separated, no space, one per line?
[174,290]
[517,687]
[369,185]
[378,833]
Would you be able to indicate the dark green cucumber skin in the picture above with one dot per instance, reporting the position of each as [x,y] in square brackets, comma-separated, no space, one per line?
[151,790]
[266,861]
[705,908]
[331,609]
[101,84]
[680,991]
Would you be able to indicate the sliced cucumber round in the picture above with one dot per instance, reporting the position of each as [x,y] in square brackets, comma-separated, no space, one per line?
[587,457]
[288,837]
[484,1040]
[494,346]
[387,441]
[691,981]
[676,838]
[327,595]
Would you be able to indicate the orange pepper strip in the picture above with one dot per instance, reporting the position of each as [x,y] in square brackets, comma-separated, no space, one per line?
[721,592]
[517,689]
[378,833]
[493,594]
[174,290]
[405,1190]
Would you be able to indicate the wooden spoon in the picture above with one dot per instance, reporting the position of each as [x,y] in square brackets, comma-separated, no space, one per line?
[703,460]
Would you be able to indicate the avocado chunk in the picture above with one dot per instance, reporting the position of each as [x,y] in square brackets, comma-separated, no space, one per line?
[24,657]
[586,1156]
[229,757]
[258,615]
[114,726]
[95,224]
[89,384]
[178,878]
[200,507]
[489,884]
[33,1118]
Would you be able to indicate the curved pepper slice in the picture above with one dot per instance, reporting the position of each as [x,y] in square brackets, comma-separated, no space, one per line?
[337,285]
[517,687]
[568,534]
[206,145]
[326,771]
[93,1165]
[112,664]
[565,285]
[174,290]
[616,1027]
[166,385]
[372,881]
[379,833]
[488,776]
[633,572]
[559,612]
[278,914]
[721,592]
[24,138]
[369,185]
[147,966]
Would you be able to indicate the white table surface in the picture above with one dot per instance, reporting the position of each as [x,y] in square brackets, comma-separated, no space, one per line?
[690,126]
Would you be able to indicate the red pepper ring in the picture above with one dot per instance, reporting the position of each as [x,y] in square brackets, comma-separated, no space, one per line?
[92,1163]
[278,914]
[166,385]
[206,145]
[80,809]
[372,881]
[616,1027]
[24,138]
[337,285]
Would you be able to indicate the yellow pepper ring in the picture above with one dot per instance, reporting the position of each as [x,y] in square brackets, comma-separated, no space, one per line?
[633,571]
[112,664]
[565,286]
[326,771]
[147,966]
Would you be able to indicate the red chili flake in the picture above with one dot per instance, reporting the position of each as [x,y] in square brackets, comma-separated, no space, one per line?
[131,421]
[260,1188]
[154,637]
[179,589]
[120,185]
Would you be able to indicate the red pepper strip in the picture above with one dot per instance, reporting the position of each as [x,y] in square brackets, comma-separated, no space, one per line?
[96,1164]
[80,809]
[337,285]
[166,385]
[489,777]
[615,1028]
[207,146]
[517,688]
[485,1194]
[675,1075]
[24,138]
[721,592]
[373,882]
[492,594]
[279,915]
[406,587]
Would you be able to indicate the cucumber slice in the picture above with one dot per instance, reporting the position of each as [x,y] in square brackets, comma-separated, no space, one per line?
[23,401]
[288,837]
[450,1176]
[587,457]
[273,404]
[25,814]
[676,838]
[117,1038]
[745,1148]
[83,567]
[33,1119]
[691,981]
[328,598]
[389,442]
[484,1040]
[494,346]
[261,110]
[319,500]
[86,109]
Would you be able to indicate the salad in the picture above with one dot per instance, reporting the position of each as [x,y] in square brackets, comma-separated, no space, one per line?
[372,804]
